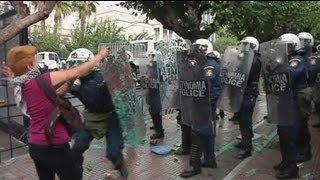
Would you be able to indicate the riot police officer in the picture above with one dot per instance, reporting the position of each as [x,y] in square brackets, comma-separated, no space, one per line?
[202,130]
[100,118]
[153,99]
[304,95]
[289,118]
[249,100]
[315,82]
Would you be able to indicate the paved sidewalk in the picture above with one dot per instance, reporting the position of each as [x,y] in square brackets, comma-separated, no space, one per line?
[144,165]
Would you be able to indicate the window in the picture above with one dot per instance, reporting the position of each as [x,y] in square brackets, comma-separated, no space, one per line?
[56,58]
[51,57]
[40,57]
[74,55]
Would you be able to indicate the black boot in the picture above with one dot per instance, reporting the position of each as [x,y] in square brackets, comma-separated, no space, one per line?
[246,150]
[209,160]
[192,172]
[281,166]
[206,163]
[304,156]
[239,145]
[243,153]
[157,122]
[246,134]
[185,141]
[292,171]
[195,157]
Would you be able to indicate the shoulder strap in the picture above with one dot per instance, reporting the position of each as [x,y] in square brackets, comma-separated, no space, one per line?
[47,89]
[51,93]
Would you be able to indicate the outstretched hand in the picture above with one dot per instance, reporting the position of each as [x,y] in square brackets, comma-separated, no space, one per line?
[104,53]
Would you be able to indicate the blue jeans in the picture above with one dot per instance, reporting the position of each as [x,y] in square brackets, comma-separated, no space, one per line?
[114,141]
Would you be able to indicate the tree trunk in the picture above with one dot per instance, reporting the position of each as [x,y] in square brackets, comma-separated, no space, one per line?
[57,20]
[16,26]
[43,25]
[82,22]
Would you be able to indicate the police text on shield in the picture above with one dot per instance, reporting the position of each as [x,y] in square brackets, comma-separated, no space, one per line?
[277,83]
[236,79]
[193,88]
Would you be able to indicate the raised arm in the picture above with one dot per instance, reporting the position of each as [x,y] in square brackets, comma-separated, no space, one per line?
[59,77]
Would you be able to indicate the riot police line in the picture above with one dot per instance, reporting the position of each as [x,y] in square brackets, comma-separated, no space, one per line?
[283,63]
[197,81]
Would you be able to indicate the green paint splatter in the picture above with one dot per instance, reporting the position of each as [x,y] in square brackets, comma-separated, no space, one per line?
[125,98]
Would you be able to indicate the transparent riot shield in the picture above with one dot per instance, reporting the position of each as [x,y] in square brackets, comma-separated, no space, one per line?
[278,83]
[149,82]
[236,66]
[168,76]
[194,91]
[122,86]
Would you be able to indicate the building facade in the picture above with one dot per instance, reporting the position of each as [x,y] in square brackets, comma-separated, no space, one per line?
[131,24]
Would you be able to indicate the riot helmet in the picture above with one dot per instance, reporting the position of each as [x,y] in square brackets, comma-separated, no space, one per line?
[250,42]
[78,57]
[204,45]
[306,39]
[292,40]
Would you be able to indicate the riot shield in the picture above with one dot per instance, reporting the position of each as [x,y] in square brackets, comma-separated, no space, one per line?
[149,81]
[194,91]
[168,76]
[236,65]
[119,79]
[278,83]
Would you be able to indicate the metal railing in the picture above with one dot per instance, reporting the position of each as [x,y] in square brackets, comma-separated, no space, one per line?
[16,132]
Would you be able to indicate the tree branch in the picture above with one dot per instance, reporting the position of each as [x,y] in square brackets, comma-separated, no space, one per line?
[21,8]
[16,26]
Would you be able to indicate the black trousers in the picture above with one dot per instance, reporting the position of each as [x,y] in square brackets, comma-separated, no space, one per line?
[288,148]
[304,137]
[54,160]
[201,144]
[245,120]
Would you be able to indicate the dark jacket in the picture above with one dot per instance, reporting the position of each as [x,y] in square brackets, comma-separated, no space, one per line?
[94,94]
[300,73]
[314,73]
[252,87]
[216,81]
